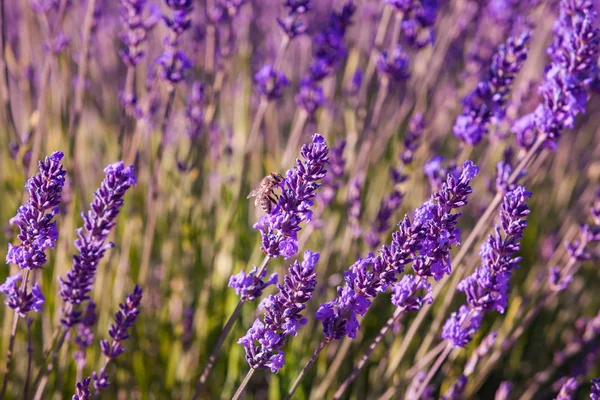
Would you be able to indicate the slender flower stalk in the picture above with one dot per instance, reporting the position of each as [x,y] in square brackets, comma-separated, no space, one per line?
[98,222]
[279,229]
[282,317]
[124,320]
[91,244]
[37,233]
[487,102]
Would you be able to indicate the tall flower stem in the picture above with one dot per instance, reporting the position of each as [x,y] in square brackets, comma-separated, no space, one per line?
[477,231]
[306,367]
[224,333]
[88,24]
[295,136]
[5,87]
[338,394]
[243,385]
[13,334]
[432,371]
[379,38]
[153,192]
[29,360]
[42,378]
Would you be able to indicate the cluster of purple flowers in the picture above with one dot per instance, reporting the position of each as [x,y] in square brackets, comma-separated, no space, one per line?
[100,219]
[124,320]
[487,288]
[291,24]
[333,180]
[487,102]
[173,61]
[250,286]
[418,20]
[282,315]
[194,112]
[135,29]
[85,333]
[329,51]
[396,65]
[279,229]
[390,203]
[37,232]
[270,82]
[574,54]
[425,243]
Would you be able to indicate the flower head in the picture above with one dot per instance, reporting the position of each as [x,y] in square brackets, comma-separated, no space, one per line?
[35,219]
[97,223]
[270,82]
[280,227]
[282,317]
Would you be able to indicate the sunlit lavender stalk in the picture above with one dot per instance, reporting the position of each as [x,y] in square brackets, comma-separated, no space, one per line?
[37,233]
[279,229]
[124,320]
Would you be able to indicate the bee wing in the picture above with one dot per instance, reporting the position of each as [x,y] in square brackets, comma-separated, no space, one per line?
[255,191]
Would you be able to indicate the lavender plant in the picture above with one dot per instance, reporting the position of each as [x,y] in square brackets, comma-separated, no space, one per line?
[202,100]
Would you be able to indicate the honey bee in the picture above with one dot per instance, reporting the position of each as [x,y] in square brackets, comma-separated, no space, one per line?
[264,192]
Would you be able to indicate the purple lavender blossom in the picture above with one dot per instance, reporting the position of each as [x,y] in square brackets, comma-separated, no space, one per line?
[412,139]
[389,204]
[194,112]
[396,66]
[270,82]
[82,390]
[574,52]
[503,392]
[85,333]
[333,180]
[279,229]
[461,326]
[595,389]
[426,243]
[418,22]
[124,320]
[292,25]
[173,62]
[249,286]
[282,315]
[487,288]
[557,281]
[18,301]
[455,392]
[310,97]
[37,229]
[567,390]
[328,46]
[98,222]
[487,102]
[135,29]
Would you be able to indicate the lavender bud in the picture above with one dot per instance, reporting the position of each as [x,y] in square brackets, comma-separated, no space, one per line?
[82,390]
[250,286]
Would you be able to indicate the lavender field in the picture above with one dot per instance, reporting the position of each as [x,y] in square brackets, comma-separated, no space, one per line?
[300,199]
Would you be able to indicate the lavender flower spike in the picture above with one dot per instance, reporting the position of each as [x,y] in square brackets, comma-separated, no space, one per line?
[487,288]
[280,227]
[124,319]
[595,389]
[82,390]
[425,242]
[98,222]
[486,103]
[567,390]
[282,315]
[35,219]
